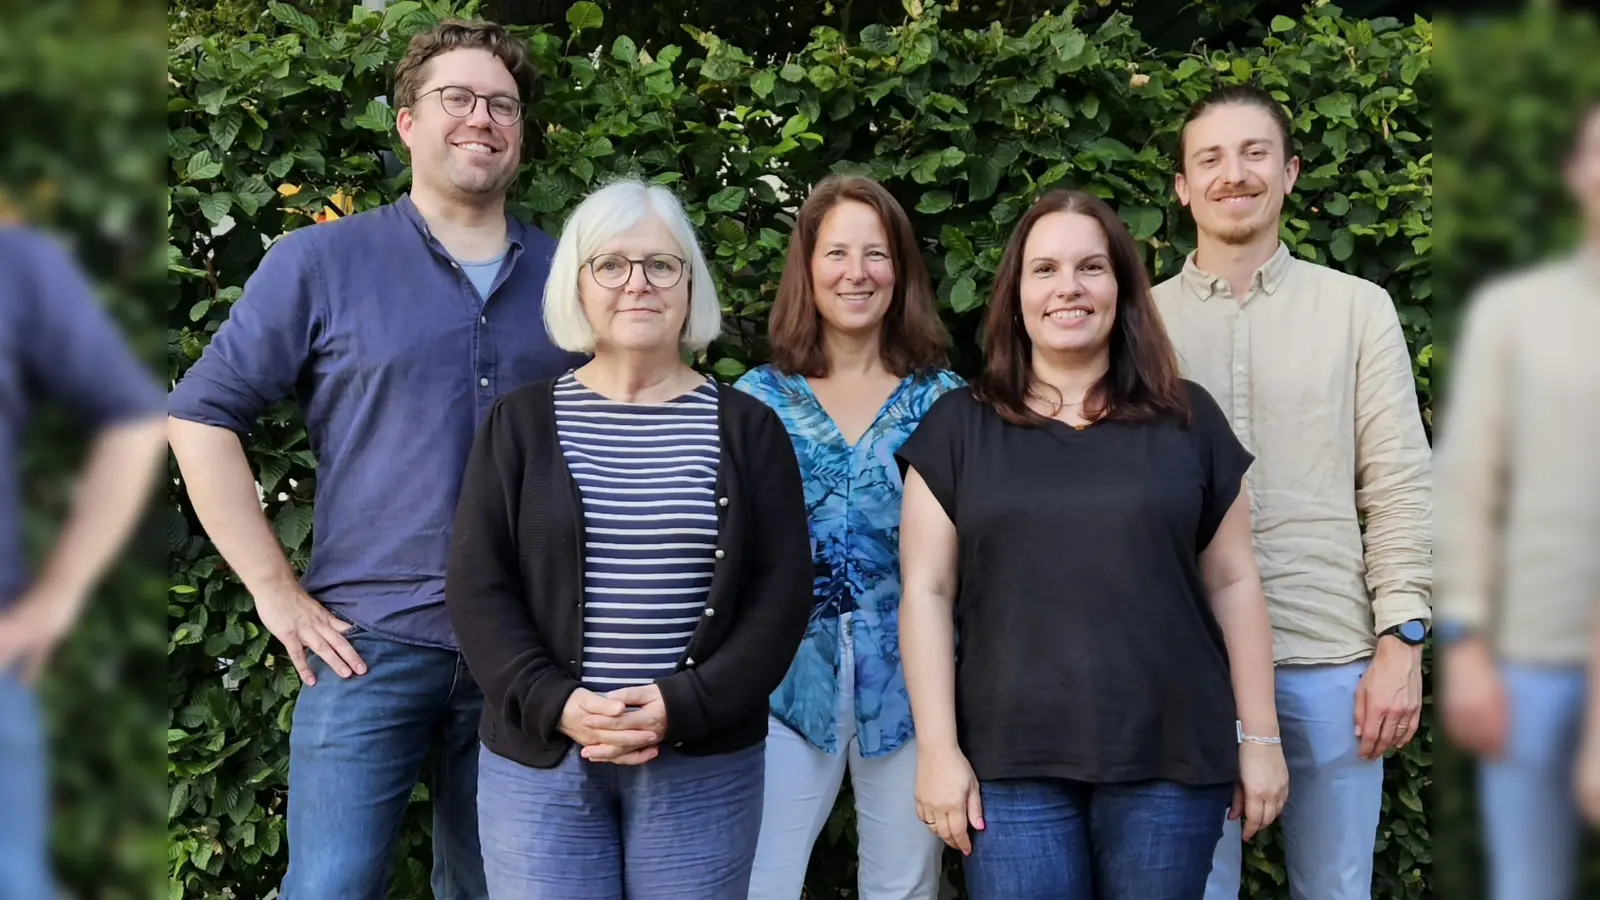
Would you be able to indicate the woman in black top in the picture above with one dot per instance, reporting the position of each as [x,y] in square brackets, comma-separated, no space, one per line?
[1078,516]
[629,579]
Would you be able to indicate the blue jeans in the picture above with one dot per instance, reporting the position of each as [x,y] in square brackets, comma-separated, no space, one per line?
[675,828]
[1050,839]
[1531,824]
[1330,825]
[356,750]
[25,825]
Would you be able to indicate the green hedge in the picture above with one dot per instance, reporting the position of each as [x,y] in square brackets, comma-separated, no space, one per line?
[965,127]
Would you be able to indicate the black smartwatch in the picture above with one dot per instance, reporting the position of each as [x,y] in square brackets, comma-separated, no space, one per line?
[1413,632]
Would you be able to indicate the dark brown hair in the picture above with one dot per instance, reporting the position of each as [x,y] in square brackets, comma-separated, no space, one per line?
[1142,382]
[1240,95]
[913,339]
[455,34]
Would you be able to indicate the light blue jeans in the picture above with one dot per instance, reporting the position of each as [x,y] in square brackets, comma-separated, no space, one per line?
[899,855]
[1531,823]
[24,783]
[356,750]
[675,828]
[1330,826]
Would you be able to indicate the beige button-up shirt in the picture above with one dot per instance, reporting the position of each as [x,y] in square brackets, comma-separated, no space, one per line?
[1519,464]
[1313,371]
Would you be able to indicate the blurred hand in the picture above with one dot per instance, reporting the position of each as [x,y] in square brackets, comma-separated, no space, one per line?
[32,628]
[947,795]
[623,746]
[1263,787]
[1587,780]
[1472,698]
[300,624]
[1389,698]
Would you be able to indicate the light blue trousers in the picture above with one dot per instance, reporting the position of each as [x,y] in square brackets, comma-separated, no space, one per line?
[899,856]
[1330,825]
[1531,823]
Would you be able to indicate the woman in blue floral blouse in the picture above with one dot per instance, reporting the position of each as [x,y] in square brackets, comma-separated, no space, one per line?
[858,356]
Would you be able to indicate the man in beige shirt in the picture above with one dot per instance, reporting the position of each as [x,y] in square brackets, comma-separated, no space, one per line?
[1312,368]
[1519,548]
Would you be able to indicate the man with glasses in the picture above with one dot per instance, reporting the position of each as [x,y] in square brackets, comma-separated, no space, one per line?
[394,329]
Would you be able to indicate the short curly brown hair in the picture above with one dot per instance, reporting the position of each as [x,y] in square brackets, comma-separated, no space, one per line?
[455,34]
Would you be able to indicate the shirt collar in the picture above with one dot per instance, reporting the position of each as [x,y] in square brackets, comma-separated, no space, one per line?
[515,230]
[1268,278]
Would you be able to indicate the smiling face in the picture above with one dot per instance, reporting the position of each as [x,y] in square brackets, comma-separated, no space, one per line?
[1068,289]
[638,316]
[1236,173]
[852,270]
[473,158]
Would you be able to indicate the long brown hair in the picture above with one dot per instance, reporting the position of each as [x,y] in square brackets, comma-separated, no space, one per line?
[1142,382]
[913,339]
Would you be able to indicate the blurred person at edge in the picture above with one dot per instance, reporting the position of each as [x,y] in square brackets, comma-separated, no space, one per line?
[1077,518]
[1312,368]
[57,341]
[859,354]
[630,577]
[396,329]
[1518,571]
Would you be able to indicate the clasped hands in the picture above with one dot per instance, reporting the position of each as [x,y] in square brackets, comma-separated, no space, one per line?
[625,726]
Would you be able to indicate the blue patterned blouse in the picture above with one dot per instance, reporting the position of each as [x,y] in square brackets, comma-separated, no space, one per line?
[853,497]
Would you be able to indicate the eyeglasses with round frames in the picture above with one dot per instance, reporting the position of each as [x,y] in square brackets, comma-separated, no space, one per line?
[460,102]
[612,270]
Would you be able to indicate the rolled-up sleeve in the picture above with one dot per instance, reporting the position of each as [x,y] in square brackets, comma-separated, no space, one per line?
[1393,473]
[257,355]
[72,350]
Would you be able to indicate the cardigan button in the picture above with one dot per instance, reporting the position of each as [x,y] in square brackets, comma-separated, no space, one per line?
[722,501]
[689,661]
[711,612]
[720,554]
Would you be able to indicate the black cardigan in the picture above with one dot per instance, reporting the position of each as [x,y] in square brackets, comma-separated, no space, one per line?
[514,586]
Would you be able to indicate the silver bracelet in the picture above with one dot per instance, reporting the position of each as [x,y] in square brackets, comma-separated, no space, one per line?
[1253,739]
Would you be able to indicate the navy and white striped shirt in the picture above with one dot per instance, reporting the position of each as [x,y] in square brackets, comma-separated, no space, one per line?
[647,475]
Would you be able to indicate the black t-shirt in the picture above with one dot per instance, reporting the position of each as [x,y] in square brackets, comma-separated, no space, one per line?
[1087,649]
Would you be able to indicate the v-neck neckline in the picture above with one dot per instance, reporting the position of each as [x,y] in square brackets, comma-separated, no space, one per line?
[872,423]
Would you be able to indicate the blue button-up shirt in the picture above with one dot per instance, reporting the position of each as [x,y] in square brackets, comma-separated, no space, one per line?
[58,344]
[853,494]
[394,359]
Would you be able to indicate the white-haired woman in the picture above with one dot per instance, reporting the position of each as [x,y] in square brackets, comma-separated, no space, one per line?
[629,579]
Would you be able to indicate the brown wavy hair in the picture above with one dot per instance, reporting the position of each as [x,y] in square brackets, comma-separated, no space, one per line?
[456,34]
[1142,382]
[913,339]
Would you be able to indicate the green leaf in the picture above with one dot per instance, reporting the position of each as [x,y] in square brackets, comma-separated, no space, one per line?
[202,167]
[1142,221]
[792,73]
[964,295]
[294,18]
[1281,24]
[624,50]
[199,310]
[585,16]
[763,83]
[225,128]
[728,367]
[1342,245]
[1337,205]
[727,200]
[935,202]
[797,123]
[378,116]
[597,146]
[216,206]
[292,524]
[1335,106]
